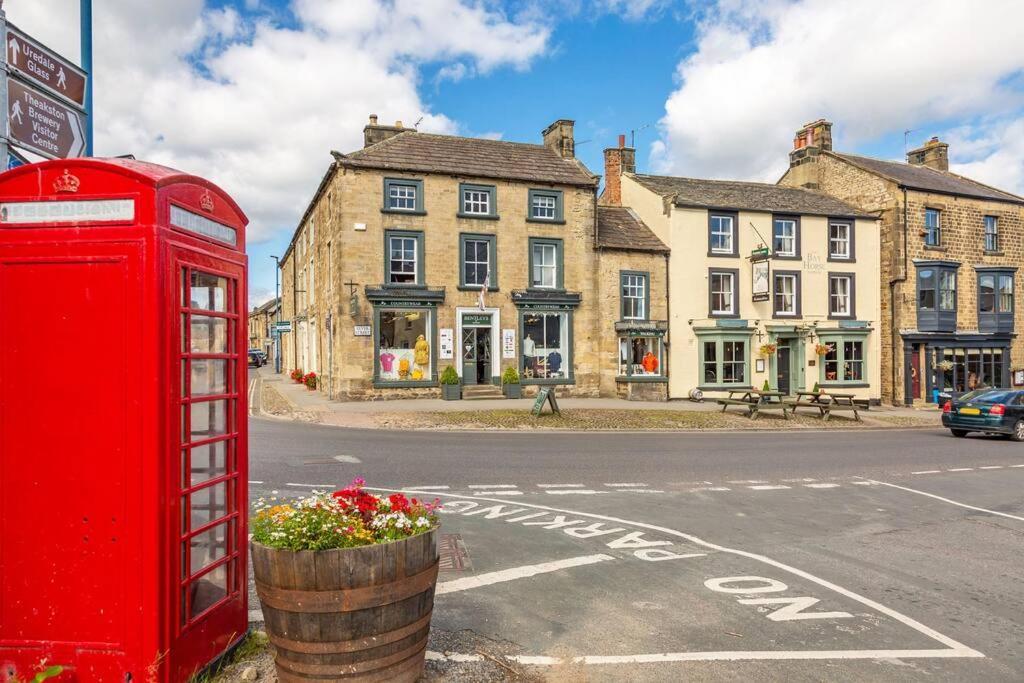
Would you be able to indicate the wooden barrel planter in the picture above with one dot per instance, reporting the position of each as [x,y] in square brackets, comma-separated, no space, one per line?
[357,614]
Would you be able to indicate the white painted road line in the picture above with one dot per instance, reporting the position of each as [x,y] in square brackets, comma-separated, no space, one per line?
[253,481]
[630,484]
[768,487]
[504,492]
[961,469]
[490,487]
[640,490]
[991,467]
[351,459]
[821,486]
[1016,465]
[517,573]
[747,481]
[947,500]
[580,492]
[427,488]
[864,483]
[560,486]
[452,657]
[742,656]
[312,486]
[798,481]
[710,488]
[955,648]
[927,472]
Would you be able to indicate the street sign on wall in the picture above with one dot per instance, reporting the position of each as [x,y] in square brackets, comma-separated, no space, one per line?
[44,67]
[43,124]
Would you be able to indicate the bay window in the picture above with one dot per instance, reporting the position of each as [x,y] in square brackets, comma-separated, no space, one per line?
[723,359]
[936,296]
[995,299]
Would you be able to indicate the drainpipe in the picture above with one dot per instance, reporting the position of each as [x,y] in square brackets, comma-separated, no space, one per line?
[666,344]
[295,310]
[892,300]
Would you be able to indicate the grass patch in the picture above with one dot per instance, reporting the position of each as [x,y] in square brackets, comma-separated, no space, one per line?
[254,645]
[606,419]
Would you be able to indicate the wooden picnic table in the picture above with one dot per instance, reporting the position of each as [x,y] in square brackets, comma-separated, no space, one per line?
[755,401]
[826,402]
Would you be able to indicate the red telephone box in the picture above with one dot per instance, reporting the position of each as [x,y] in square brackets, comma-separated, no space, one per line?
[123,451]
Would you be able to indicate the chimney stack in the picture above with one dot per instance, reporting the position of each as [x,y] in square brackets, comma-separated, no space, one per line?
[374,132]
[933,154]
[617,160]
[558,136]
[810,141]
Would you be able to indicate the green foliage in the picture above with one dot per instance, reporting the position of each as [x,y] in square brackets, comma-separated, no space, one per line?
[817,388]
[510,376]
[449,376]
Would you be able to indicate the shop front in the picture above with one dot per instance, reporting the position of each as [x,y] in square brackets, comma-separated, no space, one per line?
[546,336]
[405,337]
[954,364]
[642,374]
[478,341]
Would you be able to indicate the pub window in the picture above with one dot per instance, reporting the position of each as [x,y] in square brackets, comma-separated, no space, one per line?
[545,351]
[841,295]
[404,345]
[722,234]
[840,241]
[723,362]
[844,361]
[640,356]
[991,233]
[786,237]
[404,254]
[932,228]
[403,195]
[965,369]
[787,294]
[634,295]
[477,201]
[723,297]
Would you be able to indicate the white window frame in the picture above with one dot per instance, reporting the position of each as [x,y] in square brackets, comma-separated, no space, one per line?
[400,194]
[729,234]
[476,202]
[834,240]
[834,298]
[414,260]
[541,266]
[781,296]
[634,294]
[783,239]
[544,207]
[731,291]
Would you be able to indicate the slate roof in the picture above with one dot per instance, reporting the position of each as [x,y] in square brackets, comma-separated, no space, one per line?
[619,228]
[473,157]
[738,195]
[928,179]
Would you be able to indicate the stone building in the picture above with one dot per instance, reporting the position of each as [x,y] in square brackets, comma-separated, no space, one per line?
[261,320]
[421,251]
[951,247]
[761,278]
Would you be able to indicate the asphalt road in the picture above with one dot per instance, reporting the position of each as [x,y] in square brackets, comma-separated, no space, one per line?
[888,555]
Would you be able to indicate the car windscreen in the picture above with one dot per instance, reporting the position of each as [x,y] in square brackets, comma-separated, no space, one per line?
[995,397]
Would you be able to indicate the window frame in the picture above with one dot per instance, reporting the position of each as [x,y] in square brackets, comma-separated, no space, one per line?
[839,338]
[797,293]
[646,298]
[851,256]
[997,320]
[719,338]
[429,310]
[852,295]
[734,217]
[937,318]
[795,256]
[559,217]
[408,182]
[492,256]
[735,273]
[559,262]
[936,229]
[567,361]
[492,202]
[993,221]
[628,337]
[418,280]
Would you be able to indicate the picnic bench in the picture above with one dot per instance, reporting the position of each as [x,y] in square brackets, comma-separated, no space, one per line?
[755,401]
[826,403]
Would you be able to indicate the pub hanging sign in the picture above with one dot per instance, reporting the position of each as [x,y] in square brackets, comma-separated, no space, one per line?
[760,274]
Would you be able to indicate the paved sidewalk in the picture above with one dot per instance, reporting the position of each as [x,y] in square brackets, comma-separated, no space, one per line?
[298,402]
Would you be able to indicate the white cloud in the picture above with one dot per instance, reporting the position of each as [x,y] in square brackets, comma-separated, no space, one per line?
[256,106]
[633,10]
[452,72]
[763,69]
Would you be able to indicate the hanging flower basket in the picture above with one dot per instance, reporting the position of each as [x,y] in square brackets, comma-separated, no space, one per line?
[769,349]
[346,583]
[823,349]
[946,365]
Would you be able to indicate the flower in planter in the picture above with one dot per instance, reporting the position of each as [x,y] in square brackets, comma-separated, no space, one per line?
[946,365]
[768,349]
[823,349]
[297,375]
[310,380]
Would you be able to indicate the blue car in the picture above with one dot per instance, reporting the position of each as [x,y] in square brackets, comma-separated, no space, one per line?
[991,411]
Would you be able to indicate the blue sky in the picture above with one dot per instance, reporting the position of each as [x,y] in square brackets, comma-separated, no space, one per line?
[255,93]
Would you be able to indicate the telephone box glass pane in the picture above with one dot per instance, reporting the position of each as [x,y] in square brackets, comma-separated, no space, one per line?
[208,504]
[208,292]
[209,419]
[208,590]
[208,547]
[209,377]
[208,462]
[209,334]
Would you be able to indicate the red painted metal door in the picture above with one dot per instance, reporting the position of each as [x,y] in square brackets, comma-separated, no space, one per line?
[915,373]
[209,485]
[70,482]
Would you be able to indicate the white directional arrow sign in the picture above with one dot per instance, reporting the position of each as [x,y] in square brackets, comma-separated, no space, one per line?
[14,50]
[44,124]
[44,67]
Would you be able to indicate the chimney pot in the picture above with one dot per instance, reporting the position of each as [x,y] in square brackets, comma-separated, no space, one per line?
[617,160]
[398,123]
[373,119]
[933,154]
[622,141]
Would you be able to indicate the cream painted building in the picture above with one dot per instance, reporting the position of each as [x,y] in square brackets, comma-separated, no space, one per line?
[737,321]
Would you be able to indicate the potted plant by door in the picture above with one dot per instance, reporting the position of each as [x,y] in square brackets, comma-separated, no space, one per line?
[451,385]
[346,583]
[510,383]
[297,376]
[310,380]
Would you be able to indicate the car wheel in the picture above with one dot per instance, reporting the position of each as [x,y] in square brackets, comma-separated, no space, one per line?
[1018,431]
[959,433]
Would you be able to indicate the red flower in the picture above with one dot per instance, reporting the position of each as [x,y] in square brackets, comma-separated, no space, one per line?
[398,502]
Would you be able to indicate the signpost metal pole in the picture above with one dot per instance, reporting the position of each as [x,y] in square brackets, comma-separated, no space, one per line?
[277,331]
[4,104]
[86,20]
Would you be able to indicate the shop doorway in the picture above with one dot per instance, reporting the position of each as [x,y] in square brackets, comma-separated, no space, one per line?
[476,349]
[784,366]
[915,373]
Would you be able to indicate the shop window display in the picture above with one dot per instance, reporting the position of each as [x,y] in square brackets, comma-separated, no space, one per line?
[404,350]
[545,346]
[640,357]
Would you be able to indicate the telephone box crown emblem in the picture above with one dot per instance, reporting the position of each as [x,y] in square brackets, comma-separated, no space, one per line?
[66,183]
[206,201]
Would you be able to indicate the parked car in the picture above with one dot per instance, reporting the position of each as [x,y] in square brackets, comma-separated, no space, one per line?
[992,411]
[257,358]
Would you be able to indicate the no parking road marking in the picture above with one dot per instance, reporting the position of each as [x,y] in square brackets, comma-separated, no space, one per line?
[763,593]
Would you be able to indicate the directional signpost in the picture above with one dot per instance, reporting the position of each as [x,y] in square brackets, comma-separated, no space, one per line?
[43,97]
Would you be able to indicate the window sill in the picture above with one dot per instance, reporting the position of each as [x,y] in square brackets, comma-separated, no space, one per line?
[403,285]
[640,378]
[723,254]
[844,385]
[781,257]
[723,316]
[546,382]
[832,316]
[550,221]
[479,216]
[994,253]
[840,259]
[537,290]
[412,384]
[474,288]
[725,387]
[935,247]
[404,212]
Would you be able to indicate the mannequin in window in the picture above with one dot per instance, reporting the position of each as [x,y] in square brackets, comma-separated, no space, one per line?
[529,354]
[554,363]
[650,363]
[422,351]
